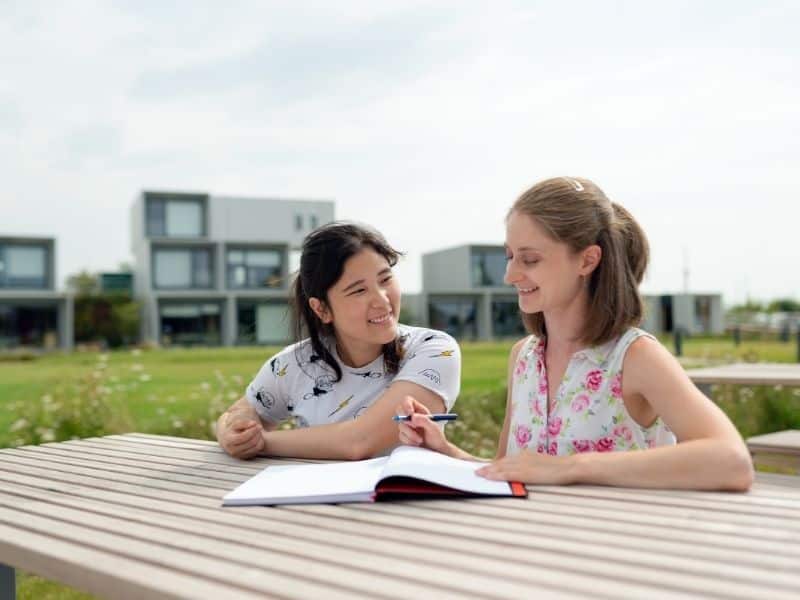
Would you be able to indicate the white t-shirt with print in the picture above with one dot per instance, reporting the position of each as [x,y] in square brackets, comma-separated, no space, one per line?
[296,383]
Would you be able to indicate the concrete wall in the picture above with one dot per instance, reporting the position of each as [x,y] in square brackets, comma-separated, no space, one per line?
[446,270]
[264,220]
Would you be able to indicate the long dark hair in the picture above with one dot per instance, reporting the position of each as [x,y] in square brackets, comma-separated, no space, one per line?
[325,250]
[575,211]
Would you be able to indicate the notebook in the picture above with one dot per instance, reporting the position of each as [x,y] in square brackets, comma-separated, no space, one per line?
[408,472]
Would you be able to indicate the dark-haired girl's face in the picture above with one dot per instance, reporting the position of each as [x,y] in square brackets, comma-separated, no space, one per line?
[363,307]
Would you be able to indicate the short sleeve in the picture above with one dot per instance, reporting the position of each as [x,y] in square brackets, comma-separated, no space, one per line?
[433,360]
[266,394]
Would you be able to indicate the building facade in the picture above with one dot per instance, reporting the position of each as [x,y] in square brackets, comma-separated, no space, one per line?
[32,312]
[695,314]
[214,270]
[464,294]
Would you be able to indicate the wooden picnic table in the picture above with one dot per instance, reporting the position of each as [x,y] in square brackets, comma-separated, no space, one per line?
[771,374]
[140,516]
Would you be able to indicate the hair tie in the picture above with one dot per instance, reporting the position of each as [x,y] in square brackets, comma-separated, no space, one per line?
[576,185]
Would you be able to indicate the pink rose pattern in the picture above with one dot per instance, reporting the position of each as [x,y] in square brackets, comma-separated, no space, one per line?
[523,435]
[590,415]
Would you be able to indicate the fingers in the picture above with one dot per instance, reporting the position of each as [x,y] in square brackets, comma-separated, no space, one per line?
[500,470]
[253,449]
[239,440]
[409,436]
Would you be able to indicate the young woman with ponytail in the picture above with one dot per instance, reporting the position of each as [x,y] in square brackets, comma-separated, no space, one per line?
[342,382]
[587,385]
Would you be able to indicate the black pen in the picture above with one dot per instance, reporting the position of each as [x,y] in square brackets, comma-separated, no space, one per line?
[434,417]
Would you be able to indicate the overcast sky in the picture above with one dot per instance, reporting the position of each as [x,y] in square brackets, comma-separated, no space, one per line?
[425,119]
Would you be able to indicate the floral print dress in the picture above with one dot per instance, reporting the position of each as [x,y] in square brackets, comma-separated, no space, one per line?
[588,414]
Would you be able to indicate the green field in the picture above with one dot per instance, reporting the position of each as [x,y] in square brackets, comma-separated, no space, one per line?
[181,391]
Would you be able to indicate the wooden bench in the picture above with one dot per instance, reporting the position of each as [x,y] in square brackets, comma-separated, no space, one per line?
[770,374]
[778,450]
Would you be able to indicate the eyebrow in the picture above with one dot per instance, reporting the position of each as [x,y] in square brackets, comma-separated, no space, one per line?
[361,281]
[524,249]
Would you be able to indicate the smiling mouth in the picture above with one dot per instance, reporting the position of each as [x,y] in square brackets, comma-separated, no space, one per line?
[527,290]
[380,320]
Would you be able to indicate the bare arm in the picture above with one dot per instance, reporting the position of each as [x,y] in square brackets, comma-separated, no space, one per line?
[356,439]
[710,454]
[502,443]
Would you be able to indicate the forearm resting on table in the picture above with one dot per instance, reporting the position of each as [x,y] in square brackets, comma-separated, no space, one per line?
[704,464]
[337,441]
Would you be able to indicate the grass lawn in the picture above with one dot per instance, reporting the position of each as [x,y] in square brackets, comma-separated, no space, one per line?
[180,392]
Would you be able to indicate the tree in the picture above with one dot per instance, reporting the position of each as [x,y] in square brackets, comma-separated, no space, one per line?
[784,305]
[83,283]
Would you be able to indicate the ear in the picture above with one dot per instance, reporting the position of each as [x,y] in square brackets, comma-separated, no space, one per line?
[321,310]
[590,258]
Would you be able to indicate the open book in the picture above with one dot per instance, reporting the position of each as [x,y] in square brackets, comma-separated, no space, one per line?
[407,472]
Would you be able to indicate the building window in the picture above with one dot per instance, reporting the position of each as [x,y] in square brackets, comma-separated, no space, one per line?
[182,268]
[456,316]
[23,266]
[313,221]
[262,323]
[702,314]
[488,267]
[175,215]
[28,326]
[190,323]
[250,268]
[298,222]
[506,320]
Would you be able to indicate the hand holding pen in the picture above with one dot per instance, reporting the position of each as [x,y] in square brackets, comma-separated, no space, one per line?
[417,426]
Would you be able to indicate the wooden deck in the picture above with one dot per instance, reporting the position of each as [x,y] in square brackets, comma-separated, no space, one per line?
[139,516]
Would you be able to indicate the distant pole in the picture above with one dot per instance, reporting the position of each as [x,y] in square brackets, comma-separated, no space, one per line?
[685,270]
[678,342]
[798,342]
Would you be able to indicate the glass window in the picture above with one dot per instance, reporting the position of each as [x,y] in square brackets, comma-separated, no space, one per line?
[184,218]
[182,268]
[488,267]
[457,316]
[23,266]
[251,268]
[175,215]
[28,326]
[506,320]
[262,323]
[190,323]
[298,222]
[156,221]
[313,221]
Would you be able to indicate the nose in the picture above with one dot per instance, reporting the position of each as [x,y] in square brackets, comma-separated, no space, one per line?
[379,298]
[512,274]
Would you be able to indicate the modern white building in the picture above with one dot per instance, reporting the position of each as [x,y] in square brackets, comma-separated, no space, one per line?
[32,312]
[695,313]
[464,294]
[215,269]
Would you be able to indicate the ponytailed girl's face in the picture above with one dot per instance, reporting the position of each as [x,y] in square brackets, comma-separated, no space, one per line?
[546,272]
[363,306]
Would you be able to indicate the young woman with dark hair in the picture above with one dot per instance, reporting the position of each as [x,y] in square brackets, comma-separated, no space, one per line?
[587,385]
[342,383]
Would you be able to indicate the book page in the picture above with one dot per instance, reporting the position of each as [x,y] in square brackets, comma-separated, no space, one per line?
[331,482]
[409,461]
